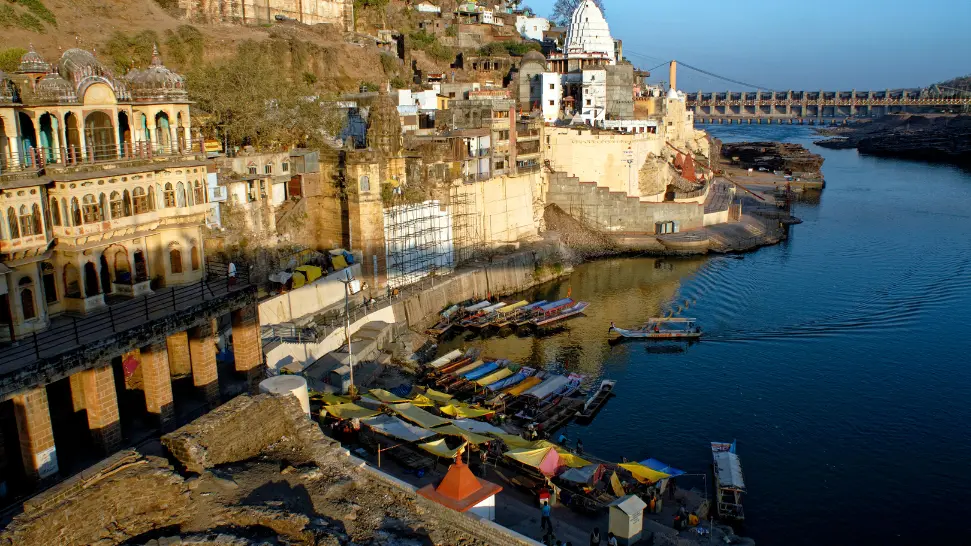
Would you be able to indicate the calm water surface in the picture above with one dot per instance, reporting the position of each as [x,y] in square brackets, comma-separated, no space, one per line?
[839,360]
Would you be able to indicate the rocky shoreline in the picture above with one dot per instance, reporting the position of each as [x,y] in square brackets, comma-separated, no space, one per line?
[791,159]
[944,138]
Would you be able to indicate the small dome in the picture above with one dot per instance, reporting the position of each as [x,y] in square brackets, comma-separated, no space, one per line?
[33,63]
[53,88]
[157,82]
[81,68]
[533,55]
[672,94]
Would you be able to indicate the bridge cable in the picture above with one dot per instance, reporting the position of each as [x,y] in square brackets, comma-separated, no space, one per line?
[712,74]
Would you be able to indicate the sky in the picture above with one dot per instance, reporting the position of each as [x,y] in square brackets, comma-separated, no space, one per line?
[833,45]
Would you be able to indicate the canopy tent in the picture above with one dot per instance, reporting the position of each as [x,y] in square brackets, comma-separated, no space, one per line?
[464,411]
[510,308]
[440,449]
[728,470]
[482,370]
[471,437]
[527,384]
[548,387]
[588,475]
[644,474]
[567,456]
[439,362]
[657,465]
[396,428]
[468,368]
[494,376]
[422,401]
[438,397]
[349,411]
[534,305]
[417,415]
[331,399]
[476,307]
[388,397]
[544,459]
[512,441]
[479,427]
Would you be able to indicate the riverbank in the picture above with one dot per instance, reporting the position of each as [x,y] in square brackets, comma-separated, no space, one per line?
[943,138]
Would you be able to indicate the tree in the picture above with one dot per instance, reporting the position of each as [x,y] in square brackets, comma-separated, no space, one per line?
[563,10]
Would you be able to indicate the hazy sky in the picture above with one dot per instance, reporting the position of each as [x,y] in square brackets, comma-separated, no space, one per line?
[801,45]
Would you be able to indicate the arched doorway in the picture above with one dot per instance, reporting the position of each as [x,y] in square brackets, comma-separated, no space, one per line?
[73,135]
[99,136]
[28,138]
[105,276]
[163,132]
[48,132]
[72,284]
[91,288]
[124,134]
[180,132]
[121,266]
[141,270]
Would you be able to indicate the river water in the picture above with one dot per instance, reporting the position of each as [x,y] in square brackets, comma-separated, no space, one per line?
[840,360]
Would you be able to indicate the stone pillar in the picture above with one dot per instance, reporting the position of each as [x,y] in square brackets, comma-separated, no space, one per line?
[101,401]
[202,353]
[177,346]
[158,385]
[248,345]
[77,393]
[36,433]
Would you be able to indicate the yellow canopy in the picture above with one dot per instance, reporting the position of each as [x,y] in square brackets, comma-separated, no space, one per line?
[417,415]
[512,440]
[617,487]
[298,280]
[568,458]
[462,411]
[439,397]
[330,399]
[644,474]
[387,397]
[528,456]
[471,437]
[422,401]
[338,261]
[438,448]
[349,411]
[523,386]
[510,308]
[312,272]
[495,376]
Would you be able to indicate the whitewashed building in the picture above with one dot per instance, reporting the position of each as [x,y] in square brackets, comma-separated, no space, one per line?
[593,97]
[532,28]
[552,94]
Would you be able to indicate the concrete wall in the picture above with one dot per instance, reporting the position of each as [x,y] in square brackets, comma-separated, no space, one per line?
[610,211]
[620,91]
[306,300]
[600,157]
[505,207]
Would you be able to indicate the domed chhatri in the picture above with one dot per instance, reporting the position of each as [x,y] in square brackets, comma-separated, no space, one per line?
[534,56]
[82,69]
[157,82]
[53,88]
[33,63]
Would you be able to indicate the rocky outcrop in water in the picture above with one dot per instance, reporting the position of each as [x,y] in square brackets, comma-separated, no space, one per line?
[774,156]
[932,137]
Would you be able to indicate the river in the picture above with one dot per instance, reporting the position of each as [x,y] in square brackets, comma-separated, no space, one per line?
[838,360]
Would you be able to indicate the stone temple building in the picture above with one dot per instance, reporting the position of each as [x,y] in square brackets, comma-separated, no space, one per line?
[103,201]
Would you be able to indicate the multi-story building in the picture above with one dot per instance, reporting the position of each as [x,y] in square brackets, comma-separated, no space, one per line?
[103,197]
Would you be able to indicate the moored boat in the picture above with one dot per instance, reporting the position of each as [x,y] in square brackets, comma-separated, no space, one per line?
[661,328]
[557,311]
[729,483]
[597,400]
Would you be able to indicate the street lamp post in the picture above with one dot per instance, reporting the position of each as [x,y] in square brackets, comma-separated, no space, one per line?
[629,159]
[347,326]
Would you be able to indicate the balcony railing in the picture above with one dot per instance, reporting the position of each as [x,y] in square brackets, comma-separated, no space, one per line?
[36,159]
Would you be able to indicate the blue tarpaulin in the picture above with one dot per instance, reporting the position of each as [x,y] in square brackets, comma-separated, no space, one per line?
[482,370]
[511,380]
[402,390]
[555,304]
[657,465]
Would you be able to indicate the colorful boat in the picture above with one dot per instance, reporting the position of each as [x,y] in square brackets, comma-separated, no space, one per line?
[483,316]
[448,317]
[729,483]
[505,315]
[557,311]
[662,328]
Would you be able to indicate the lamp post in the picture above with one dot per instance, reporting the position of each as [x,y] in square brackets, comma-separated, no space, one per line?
[629,159]
[347,326]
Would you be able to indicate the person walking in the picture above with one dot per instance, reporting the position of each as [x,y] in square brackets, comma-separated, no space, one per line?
[595,537]
[545,522]
[231,272]
[611,540]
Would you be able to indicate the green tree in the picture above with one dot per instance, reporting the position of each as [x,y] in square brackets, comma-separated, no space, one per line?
[10,58]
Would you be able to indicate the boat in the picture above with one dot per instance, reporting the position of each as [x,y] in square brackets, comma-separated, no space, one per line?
[483,316]
[661,328]
[446,322]
[597,400]
[729,483]
[562,313]
[505,315]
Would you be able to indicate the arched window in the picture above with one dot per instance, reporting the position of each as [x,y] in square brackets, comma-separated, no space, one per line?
[175,257]
[50,286]
[76,211]
[251,168]
[126,199]
[194,257]
[169,195]
[139,200]
[92,213]
[26,221]
[55,212]
[12,223]
[64,212]
[365,183]
[117,207]
[188,194]
[200,192]
[151,198]
[27,298]
[38,219]
[180,194]
[103,207]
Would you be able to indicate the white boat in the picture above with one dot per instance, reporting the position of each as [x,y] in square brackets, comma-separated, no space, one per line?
[729,483]
[662,328]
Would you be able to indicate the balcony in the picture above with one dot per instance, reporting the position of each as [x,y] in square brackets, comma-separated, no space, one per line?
[36,160]
[154,217]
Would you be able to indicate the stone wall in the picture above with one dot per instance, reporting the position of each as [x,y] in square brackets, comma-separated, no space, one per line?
[601,157]
[508,208]
[248,12]
[620,91]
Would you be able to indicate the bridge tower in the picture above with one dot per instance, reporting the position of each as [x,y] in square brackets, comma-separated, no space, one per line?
[853,103]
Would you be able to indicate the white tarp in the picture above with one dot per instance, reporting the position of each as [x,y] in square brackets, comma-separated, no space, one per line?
[476,307]
[396,428]
[478,427]
[729,470]
[548,387]
[438,363]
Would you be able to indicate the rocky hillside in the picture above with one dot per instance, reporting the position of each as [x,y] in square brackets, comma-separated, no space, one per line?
[774,156]
[935,137]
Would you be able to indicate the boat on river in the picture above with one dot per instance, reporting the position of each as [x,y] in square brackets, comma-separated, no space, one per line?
[729,483]
[546,315]
[596,400]
[446,322]
[661,328]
